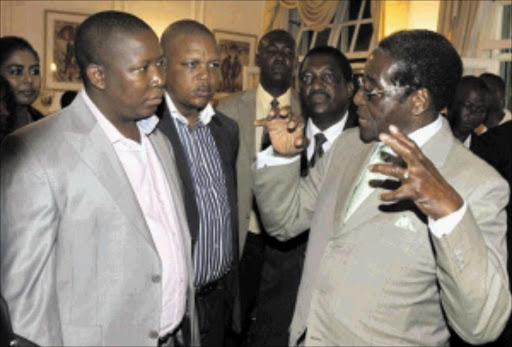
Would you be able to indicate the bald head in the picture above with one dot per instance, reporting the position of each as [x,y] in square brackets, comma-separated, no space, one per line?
[183,27]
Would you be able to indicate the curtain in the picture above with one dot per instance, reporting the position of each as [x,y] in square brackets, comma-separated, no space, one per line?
[377,11]
[316,14]
[457,22]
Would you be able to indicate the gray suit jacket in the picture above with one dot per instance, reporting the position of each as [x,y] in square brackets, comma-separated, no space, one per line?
[242,108]
[379,277]
[78,263]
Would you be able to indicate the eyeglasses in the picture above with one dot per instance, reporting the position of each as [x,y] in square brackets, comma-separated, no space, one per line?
[367,94]
[329,78]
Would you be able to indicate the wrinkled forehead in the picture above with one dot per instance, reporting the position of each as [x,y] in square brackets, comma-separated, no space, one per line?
[276,38]
[381,67]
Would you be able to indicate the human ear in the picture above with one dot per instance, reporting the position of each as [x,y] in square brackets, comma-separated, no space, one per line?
[96,74]
[350,89]
[420,101]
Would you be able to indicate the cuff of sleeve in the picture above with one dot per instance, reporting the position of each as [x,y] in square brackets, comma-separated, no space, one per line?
[444,226]
[268,157]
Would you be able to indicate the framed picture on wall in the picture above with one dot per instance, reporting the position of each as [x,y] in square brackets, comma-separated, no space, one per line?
[236,51]
[61,70]
[251,77]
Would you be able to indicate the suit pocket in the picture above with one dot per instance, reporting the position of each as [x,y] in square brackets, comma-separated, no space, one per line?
[82,335]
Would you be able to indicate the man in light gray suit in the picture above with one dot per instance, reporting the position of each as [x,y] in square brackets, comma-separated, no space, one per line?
[276,59]
[95,247]
[407,235]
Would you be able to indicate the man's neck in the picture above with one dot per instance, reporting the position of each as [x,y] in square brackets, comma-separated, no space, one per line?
[325,121]
[274,90]
[494,118]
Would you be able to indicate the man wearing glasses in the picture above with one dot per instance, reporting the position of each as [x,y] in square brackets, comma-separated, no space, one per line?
[407,226]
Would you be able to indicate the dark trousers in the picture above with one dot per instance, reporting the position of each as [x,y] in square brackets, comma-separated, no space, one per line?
[273,308]
[211,311]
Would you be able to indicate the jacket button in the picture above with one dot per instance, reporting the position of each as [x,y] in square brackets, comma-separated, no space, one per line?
[156,278]
[153,334]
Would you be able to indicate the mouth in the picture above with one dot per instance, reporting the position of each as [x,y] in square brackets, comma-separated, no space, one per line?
[204,92]
[318,98]
[27,93]
[278,67]
[154,101]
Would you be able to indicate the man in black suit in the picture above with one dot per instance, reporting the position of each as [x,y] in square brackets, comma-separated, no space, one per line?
[468,108]
[325,91]
[205,144]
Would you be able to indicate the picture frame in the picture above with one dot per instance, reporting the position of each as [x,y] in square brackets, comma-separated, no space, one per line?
[61,71]
[236,51]
[251,77]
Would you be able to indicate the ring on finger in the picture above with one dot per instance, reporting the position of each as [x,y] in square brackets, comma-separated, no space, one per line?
[405,175]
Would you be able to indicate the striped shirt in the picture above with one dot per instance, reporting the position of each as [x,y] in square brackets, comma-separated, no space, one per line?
[213,252]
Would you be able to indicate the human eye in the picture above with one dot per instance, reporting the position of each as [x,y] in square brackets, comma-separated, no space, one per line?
[190,64]
[307,78]
[142,68]
[289,52]
[161,62]
[35,70]
[15,70]
[329,77]
[215,65]
[271,50]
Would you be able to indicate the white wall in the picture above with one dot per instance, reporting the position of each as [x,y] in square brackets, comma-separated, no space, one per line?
[26,19]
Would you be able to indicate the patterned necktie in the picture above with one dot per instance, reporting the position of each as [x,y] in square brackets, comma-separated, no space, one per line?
[318,152]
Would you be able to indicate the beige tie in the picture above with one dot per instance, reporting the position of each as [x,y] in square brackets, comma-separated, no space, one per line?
[363,188]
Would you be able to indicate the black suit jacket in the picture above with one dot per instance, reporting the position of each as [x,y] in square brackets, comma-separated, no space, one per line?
[495,147]
[225,133]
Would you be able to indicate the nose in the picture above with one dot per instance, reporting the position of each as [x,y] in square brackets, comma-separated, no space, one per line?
[27,77]
[158,76]
[358,98]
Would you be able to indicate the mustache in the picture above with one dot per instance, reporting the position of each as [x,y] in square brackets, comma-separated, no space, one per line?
[317,92]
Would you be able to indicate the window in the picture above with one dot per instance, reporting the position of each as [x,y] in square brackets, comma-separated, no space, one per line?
[350,30]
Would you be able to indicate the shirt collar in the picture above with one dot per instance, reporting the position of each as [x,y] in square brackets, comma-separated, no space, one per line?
[419,136]
[331,133]
[265,98]
[205,115]
[422,135]
[146,125]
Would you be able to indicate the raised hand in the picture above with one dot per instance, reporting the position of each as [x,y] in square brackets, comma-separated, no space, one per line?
[286,131]
[421,181]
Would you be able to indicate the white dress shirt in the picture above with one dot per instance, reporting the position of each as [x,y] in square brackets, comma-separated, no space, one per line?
[331,134]
[148,181]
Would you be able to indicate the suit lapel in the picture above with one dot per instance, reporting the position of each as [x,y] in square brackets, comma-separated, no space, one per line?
[436,149]
[93,146]
[168,128]
[227,157]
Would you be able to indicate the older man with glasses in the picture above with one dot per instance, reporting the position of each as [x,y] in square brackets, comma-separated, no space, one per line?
[407,225]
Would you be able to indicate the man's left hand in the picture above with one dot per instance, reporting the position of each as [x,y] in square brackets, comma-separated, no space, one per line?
[421,181]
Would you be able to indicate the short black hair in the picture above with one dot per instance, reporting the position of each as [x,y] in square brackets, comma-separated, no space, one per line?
[494,81]
[11,44]
[8,121]
[93,34]
[273,35]
[425,59]
[469,83]
[344,64]
[185,26]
